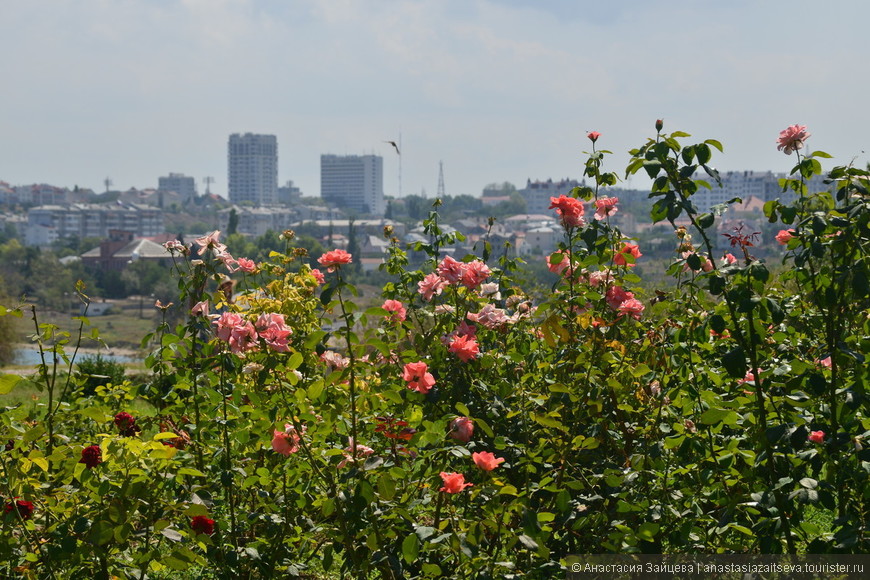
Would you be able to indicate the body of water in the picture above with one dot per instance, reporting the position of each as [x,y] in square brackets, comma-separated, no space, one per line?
[30,356]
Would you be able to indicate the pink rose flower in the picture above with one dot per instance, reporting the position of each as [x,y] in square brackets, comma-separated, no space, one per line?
[792,138]
[474,274]
[631,307]
[593,136]
[334,259]
[620,259]
[430,286]
[825,362]
[450,270]
[616,295]
[784,236]
[816,437]
[417,377]
[489,317]
[461,429]
[246,265]
[557,267]
[396,308]
[274,331]
[200,309]
[453,482]
[318,275]
[286,442]
[210,242]
[465,348]
[604,207]
[570,209]
[486,460]
[354,450]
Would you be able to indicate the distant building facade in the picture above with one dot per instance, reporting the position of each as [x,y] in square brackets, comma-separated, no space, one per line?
[763,185]
[538,193]
[181,184]
[51,222]
[353,182]
[253,169]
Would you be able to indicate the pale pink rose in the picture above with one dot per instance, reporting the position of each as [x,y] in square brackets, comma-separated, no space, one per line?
[228,260]
[430,286]
[246,265]
[210,242]
[729,259]
[461,429]
[489,317]
[792,138]
[450,270]
[600,277]
[453,482]
[605,207]
[417,377]
[397,310]
[200,309]
[486,461]
[825,362]
[354,450]
[236,331]
[334,360]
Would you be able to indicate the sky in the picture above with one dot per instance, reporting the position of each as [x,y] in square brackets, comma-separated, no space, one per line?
[496,90]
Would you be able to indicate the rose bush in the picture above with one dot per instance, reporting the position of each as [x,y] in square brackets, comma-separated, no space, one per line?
[463,428]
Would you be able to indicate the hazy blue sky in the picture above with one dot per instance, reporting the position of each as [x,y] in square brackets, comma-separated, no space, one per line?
[497,89]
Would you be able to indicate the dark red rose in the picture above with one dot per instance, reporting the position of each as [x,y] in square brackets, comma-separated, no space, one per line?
[91,456]
[126,424]
[202,525]
[24,508]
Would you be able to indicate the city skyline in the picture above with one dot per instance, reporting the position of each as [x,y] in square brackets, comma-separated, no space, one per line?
[499,90]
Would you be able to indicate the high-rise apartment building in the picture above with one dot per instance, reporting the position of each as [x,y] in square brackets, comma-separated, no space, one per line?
[180,183]
[353,182]
[253,169]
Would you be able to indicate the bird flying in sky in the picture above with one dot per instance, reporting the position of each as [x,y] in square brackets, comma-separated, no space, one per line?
[393,143]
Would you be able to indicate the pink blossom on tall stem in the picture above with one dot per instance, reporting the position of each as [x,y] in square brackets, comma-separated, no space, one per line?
[628,249]
[792,138]
[593,136]
[334,259]
[418,378]
[450,270]
[605,207]
[570,209]
[430,286]
[465,348]
[396,309]
[461,429]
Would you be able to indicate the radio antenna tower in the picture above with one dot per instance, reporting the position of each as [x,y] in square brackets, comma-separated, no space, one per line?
[398,149]
[208,181]
[440,180]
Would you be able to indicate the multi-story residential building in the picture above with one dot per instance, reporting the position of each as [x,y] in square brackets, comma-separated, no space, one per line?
[353,182]
[180,183]
[538,193]
[253,169]
[48,222]
[763,185]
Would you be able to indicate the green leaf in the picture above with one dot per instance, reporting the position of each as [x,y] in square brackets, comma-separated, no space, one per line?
[647,531]
[734,362]
[7,383]
[528,542]
[410,548]
[714,416]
